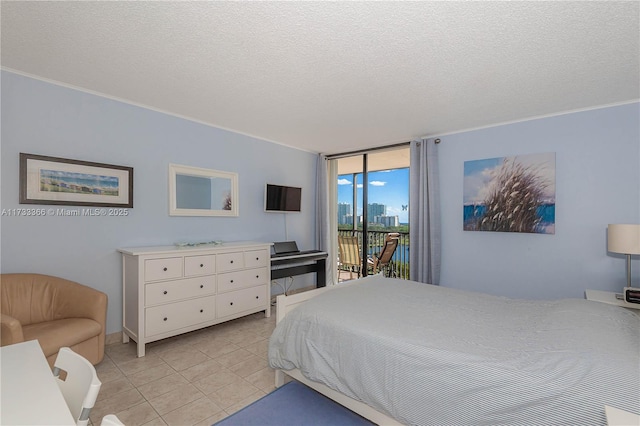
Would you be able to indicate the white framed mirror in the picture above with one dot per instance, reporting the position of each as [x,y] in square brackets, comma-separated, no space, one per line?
[195,191]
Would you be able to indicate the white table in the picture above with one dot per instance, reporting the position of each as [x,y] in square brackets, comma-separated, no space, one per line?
[610,298]
[30,394]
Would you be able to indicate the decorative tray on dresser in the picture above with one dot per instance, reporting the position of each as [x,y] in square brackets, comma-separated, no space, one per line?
[171,290]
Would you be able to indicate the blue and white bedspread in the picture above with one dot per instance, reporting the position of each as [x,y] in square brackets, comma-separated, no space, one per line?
[424,354]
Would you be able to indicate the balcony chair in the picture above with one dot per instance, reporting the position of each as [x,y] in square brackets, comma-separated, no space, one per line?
[349,251]
[383,259]
[80,386]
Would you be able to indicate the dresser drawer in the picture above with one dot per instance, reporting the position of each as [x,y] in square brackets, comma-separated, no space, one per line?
[256,258]
[170,291]
[173,316]
[229,261]
[240,279]
[199,265]
[241,300]
[163,269]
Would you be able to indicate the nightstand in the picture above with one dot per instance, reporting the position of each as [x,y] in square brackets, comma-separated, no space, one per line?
[610,298]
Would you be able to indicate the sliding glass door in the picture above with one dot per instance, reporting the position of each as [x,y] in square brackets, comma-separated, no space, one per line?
[373,203]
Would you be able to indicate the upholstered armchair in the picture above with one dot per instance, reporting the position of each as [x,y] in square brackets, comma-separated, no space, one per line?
[56,312]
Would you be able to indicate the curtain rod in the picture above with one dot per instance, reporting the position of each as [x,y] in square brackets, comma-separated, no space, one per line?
[366,151]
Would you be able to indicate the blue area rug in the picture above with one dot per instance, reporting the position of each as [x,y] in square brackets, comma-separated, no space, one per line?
[294,404]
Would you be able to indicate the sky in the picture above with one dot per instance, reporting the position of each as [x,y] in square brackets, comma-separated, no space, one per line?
[389,187]
[478,174]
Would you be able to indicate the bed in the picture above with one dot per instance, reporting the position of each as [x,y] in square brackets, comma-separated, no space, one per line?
[402,352]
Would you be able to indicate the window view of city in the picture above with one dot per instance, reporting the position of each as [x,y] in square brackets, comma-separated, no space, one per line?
[388,206]
[387,213]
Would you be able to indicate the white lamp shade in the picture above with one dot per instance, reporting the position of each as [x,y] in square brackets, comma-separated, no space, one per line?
[623,239]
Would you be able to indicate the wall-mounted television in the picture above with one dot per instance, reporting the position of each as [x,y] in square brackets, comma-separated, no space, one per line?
[280,198]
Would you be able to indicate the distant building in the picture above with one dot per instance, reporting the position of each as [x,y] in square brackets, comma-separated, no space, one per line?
[344,209]
[387,221]
[345,214]
[345,220]
[376,209]
[376,215]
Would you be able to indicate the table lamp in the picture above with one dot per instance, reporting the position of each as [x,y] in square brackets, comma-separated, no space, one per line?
[624,239]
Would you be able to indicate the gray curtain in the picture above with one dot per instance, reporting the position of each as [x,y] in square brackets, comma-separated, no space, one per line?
[326,213]
[424,212]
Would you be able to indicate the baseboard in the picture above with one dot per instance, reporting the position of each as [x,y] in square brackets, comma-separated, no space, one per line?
[113,338]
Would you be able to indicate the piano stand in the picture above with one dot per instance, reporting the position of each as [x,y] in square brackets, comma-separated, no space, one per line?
[313,262]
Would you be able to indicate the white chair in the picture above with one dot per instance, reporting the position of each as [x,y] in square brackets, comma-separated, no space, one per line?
[111,420]
[80,387]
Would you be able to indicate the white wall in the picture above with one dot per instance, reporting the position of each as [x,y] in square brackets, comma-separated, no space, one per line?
[597,183]
[46,119]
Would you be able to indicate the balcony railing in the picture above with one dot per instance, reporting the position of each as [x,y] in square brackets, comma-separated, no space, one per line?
[399,265]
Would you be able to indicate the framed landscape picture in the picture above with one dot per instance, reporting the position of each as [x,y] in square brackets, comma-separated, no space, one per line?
[61,181]
[511,194]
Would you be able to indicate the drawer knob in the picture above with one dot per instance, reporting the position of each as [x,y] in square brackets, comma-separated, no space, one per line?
[201,265]
[201,310]
[164,292]
[231,303]
[164,269]
[231,281]
[201,286]
[257,276]
[257,297]
[257,258]
[165,318]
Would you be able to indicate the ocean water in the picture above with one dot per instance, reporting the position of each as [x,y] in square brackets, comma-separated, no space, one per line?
[547,212]
[81,179]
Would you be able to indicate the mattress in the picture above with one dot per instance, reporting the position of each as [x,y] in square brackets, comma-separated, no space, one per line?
[425,354]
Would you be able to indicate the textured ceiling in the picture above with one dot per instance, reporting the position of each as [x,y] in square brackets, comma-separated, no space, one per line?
[335,76]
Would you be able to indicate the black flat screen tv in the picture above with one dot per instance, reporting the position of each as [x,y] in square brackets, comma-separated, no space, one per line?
[280,198]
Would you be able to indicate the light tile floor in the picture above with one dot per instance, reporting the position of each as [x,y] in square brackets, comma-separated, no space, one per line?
[196,378]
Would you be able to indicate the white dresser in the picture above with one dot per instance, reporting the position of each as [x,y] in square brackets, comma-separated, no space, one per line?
[171,290]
